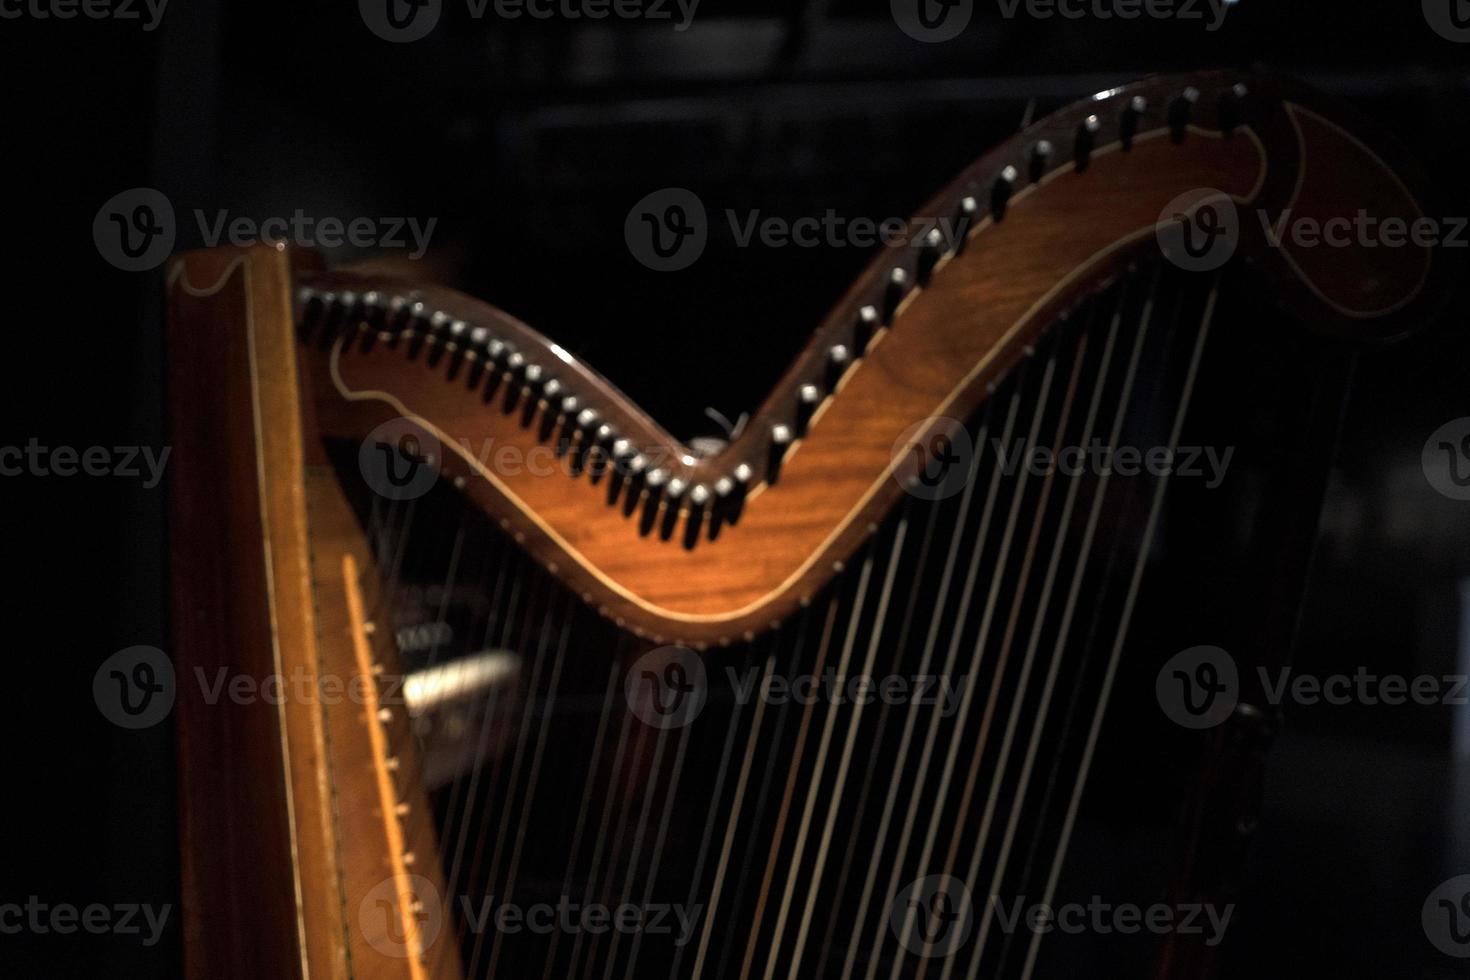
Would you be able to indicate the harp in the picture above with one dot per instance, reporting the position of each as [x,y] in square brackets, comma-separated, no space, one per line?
[834,696]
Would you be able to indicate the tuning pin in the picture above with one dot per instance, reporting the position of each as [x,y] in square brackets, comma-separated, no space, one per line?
[1232,107]
[630,473]
[898,285]
[1179,112]
[673,499]
[567,412]
[420,316]
[582,438]
[420,326]
[1040,159]
[551,394]
[439,322]
[1086,140]
[808,397]
[930,250]
[724,494]
[399,314]
[837,361]
[964,220]
[863,329]
[351,308]
[1128,122]
[457,331]
[1000,192]
[654,485]
[373,309]
[599,453]
[780,442]
[309,307]
[699,499]
[577,434]
[729,496]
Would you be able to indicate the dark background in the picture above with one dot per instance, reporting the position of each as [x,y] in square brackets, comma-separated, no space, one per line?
[530,142]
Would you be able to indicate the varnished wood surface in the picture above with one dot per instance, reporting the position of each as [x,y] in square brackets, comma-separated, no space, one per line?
[259,863]
[953,337]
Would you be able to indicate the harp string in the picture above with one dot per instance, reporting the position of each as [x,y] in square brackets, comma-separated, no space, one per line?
[861,806]
[611,800]
[419,818]
[819,764]
[454,813]
[951,657]
[645,800]
[1003,654]
[911,716]
[1064,524]
[819,863]
[614,683]
[685,736]
[731,826]
[1080,690]
[547,713]
[1100,709]
[788,797]
[529,713]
